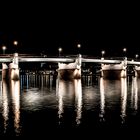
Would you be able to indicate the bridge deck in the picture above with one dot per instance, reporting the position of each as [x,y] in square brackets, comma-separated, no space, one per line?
[8,58]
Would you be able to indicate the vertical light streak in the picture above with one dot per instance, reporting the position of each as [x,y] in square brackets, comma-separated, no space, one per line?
[60,91]
[123,98]
[78,98]
[5,105]
[102,99]
[15,92]
[134,93]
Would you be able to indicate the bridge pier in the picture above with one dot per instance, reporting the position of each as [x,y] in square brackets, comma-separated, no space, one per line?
[4,71]
[114,71]
[71,70]
[11,71]
[123,73]
[137,71]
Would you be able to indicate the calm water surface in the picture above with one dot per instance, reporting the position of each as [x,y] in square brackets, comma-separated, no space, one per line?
[37,103]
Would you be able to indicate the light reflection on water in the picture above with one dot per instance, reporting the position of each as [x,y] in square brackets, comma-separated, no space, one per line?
[102,99]
[15,95]
[78,100]
[66,92]
[5,105]
[123,98]
[11,90]
[134,93]
[81,105]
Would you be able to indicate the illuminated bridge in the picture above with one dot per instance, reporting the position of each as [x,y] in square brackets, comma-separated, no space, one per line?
[30,58]
[108,66]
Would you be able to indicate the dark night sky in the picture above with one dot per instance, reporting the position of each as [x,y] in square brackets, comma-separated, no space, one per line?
[97,26]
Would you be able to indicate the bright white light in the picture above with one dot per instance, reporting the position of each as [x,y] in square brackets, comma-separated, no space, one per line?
[124,49]
[136,55]
[60,49]
[4,47]
[15,43]
[79,45]
[103,52]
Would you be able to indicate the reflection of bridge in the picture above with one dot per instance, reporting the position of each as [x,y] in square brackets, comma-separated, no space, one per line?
[107,65]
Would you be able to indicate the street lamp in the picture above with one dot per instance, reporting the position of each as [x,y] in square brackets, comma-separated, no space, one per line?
[136,56]
[102,52]
[60,50]
[79,46]
[124,50]
[15,43]
[4,48]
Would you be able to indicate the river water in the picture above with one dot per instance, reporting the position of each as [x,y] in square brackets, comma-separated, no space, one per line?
[37,103]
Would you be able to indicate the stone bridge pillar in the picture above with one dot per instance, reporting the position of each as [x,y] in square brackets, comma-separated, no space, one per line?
[79,61]
[15,59]
[124,71]
[14,68]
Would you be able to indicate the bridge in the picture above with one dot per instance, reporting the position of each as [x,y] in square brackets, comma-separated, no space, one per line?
[107,65]
[31,58]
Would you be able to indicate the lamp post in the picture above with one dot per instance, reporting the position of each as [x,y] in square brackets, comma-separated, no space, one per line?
[4,48]
[60,50]
[136,56]
[78,46]
[124,50]
[102,52]
[15,43]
